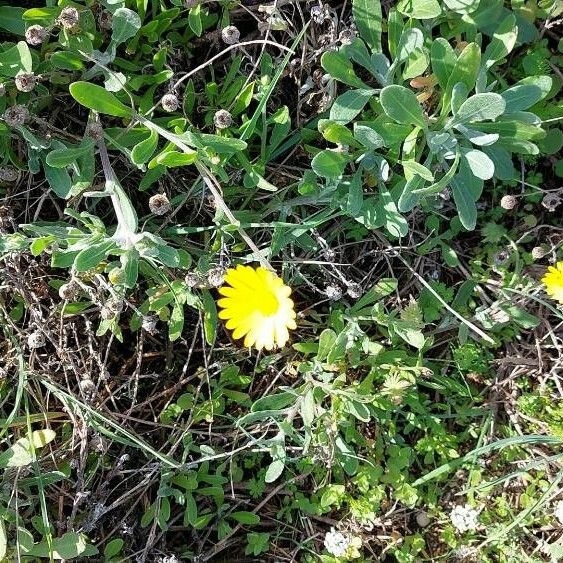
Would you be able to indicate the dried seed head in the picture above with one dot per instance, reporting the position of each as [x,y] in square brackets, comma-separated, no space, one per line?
[193,279]
[16,115]
[551,202]
[2,89]
[105,19]
[159,204]
[149,323]
[68,291]
[36,340]
[319,13]
[354,290]
[508,202]
[25,81]
[216,276]
[106,313]
[222,119]
[347,36]
[230,35]
[333,292]
[69,18]
[191,3]
[95,131]
[88,389]
[501,257]
[538,252]
[170,102]
[115,304]
[422,518]
[36,34]
[9,174]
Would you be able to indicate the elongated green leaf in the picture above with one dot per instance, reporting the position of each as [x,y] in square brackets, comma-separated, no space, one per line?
[11,19]
[412,167]
[419,9]
[16,59]
[443,60]
[91,256]
[368,17]
[401,104]
[462,6]
[59,158]
[349,104]
[503,41]
[481,165]
[465,70]
[480,107]
[172,159]
[143,151]
[526,93]
[340,68]
[99,99]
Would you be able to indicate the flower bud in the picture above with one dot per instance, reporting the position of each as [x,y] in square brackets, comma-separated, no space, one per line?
[149,322]
[230,35]
[170,102]
[16,115]
[159,204]
[333,292]
[354,290]
[508,202]
[551,202]
[68,291]
[538,252]
[25,81]
[36,34]
[222,119]
[69,18]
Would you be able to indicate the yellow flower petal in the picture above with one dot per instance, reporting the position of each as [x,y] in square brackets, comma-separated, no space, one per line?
[553,281]
[255,304]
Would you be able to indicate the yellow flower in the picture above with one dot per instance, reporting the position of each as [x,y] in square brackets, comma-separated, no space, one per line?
[256,305]
[553,281]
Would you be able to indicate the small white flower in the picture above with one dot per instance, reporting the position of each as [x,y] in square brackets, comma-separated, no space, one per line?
[464,518]
[336,543]
[558,512]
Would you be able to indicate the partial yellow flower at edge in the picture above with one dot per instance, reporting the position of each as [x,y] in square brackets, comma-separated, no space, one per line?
[256,306]
[553,281]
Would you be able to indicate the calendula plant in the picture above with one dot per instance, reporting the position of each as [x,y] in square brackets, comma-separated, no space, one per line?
[455,125]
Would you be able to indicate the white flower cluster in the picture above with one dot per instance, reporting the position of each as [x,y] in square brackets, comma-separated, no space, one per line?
[464,518]
[336,543]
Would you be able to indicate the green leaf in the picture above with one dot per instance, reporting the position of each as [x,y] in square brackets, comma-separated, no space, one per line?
[419,9]
[21,453]
[503,41]
[69,546]
[481,165]
[173,159]
[368,17]
[413,167]
[15,59]
[98,99]
[113,548]
[59,180]
[526,93]
[275,469]
[465,70]
[327,339]
[91,256]
[125,24]
[368,136]
[349,104]
[465,204]
[329,164]
[195,21]
[245,517]
[462,6]
[60,158]
[143,151]
[11,20]
[480,107]
[340,68]
[401,104]
[443,59]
